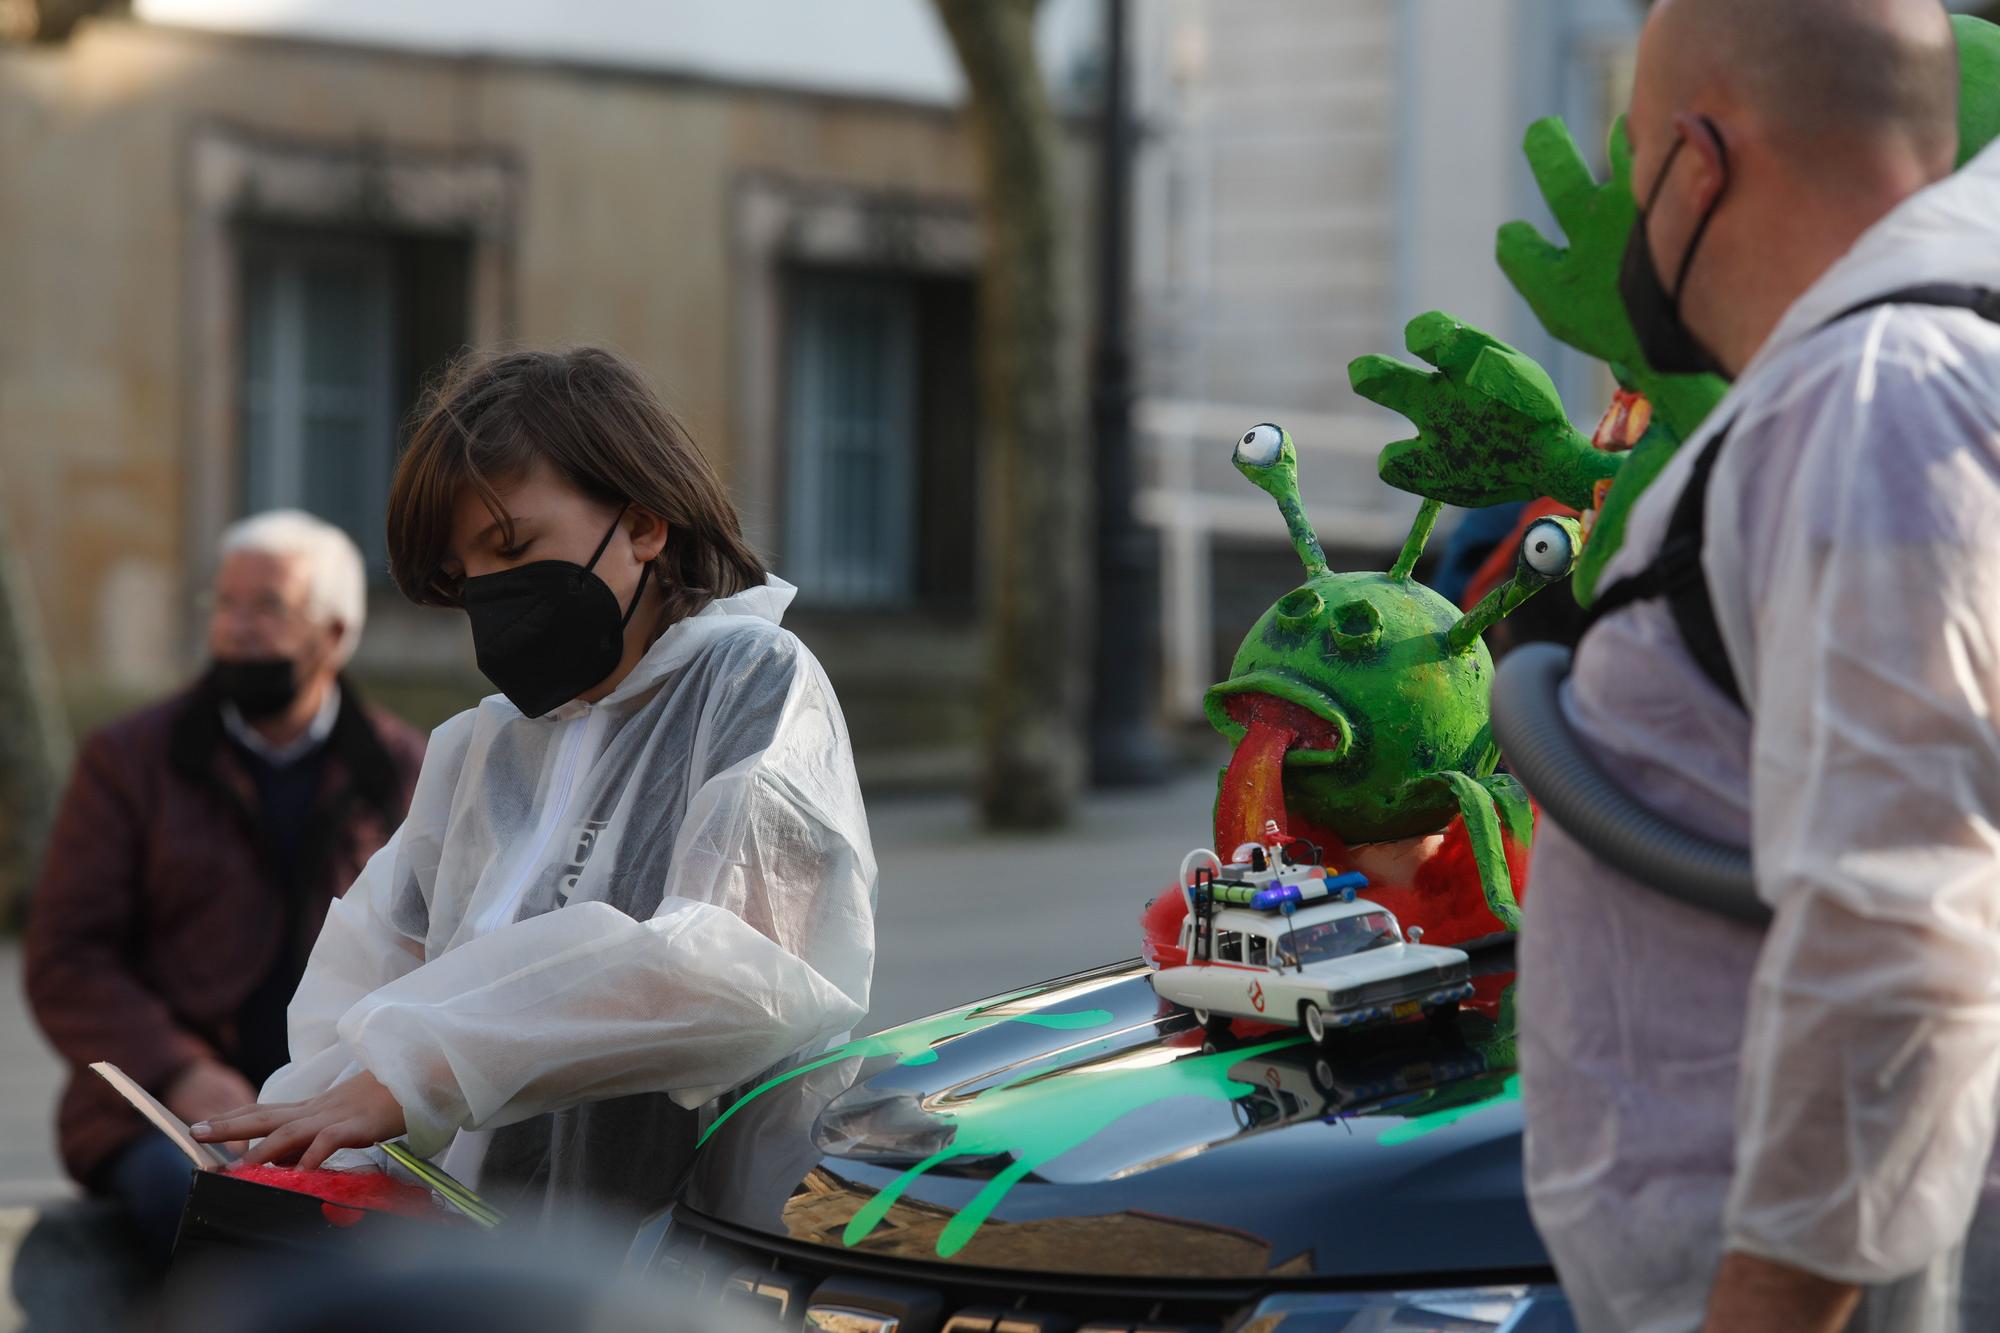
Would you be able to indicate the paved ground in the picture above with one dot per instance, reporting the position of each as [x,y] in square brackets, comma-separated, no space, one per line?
[29,1078]
[962,914]
[965,914]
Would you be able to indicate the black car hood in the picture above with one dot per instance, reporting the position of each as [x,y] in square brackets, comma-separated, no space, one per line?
[1086,1126]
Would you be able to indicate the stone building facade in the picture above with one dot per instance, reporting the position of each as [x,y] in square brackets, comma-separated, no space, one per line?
[230,260]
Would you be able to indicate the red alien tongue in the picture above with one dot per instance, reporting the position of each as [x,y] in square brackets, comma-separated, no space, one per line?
[1253,788]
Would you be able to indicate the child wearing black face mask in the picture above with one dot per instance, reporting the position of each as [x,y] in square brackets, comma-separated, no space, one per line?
[635,878]
[546,632]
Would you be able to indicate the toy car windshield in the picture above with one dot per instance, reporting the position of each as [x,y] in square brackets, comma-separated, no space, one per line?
[1327,940]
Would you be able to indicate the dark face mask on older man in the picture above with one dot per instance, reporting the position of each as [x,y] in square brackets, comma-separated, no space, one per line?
[259,687]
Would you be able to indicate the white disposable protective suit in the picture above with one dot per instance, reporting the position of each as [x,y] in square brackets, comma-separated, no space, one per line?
[1821,1093]
[594,921]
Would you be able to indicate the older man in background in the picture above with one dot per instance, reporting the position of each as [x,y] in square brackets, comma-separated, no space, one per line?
[197,848]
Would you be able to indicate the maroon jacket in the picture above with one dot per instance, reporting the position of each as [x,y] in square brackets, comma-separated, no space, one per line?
[155,918]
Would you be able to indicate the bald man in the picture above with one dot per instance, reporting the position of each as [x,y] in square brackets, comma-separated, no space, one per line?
[1732,1128]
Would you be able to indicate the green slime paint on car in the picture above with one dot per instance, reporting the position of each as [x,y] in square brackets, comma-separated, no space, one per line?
[916,1044]
[1041,1116]
[1042,1113]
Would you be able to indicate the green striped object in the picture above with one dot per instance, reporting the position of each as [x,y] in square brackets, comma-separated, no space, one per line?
[441,1184]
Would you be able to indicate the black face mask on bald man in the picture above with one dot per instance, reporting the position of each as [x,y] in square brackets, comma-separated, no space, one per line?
[545,632]
[1669,345]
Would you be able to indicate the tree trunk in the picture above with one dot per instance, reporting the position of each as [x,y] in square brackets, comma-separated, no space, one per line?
[1035,754]
[34,741]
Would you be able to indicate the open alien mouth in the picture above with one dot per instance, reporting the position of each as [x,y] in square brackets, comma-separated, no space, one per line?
[1276,732]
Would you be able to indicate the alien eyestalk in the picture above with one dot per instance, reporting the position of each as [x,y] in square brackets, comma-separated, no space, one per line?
[1358,709]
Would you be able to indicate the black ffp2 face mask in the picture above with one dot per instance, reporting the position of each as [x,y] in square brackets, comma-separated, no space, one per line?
[545,632]
[1668,344]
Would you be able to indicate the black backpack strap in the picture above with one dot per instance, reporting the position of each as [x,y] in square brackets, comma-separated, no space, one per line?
[1982,301]
[1675,573]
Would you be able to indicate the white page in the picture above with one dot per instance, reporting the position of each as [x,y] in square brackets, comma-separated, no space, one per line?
[203,1155]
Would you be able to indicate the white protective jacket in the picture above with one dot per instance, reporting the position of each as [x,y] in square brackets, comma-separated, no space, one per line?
[1823,1093]
[593,922]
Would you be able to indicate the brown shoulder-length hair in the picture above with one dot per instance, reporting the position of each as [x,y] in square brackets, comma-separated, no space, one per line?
[590,415]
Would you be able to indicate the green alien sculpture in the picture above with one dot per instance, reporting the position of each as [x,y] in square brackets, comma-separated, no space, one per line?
[1357,709]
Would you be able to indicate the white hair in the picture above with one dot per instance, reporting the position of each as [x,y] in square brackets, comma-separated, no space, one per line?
[336,579]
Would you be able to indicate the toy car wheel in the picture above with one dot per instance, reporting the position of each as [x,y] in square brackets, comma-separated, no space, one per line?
[1215,1025]
[1323,1075]
[1313,1020]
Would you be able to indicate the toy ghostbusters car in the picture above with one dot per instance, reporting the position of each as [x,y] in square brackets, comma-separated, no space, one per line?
[1275,940]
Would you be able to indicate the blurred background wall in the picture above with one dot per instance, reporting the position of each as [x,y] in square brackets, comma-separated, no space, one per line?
[236,236]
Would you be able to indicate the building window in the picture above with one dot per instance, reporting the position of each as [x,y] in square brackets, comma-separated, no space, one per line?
[339,333]
[879,492]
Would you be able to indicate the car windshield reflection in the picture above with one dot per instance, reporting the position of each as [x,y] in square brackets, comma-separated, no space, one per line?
[1339,939]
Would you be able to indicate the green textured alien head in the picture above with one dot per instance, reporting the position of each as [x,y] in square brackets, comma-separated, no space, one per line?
[1381,682]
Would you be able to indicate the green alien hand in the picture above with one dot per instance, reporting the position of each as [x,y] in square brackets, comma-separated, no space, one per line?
[1490,425]
[1574,291]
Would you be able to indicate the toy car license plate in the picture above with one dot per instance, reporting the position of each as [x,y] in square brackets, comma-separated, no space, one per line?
[1407,1009]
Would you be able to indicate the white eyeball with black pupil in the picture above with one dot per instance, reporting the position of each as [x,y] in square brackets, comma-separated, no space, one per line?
[1547,549]
[1261,446]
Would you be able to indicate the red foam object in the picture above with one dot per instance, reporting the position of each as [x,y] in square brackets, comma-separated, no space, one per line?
[1445,897]
[1160,929]
[345,1195]
[1489,993]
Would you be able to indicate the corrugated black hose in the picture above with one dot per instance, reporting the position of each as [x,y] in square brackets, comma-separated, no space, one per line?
[1576,792]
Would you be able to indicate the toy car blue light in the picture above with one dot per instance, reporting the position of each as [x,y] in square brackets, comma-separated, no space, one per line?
[1277,896]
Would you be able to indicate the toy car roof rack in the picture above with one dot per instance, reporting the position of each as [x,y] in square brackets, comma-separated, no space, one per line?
[1209,891]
